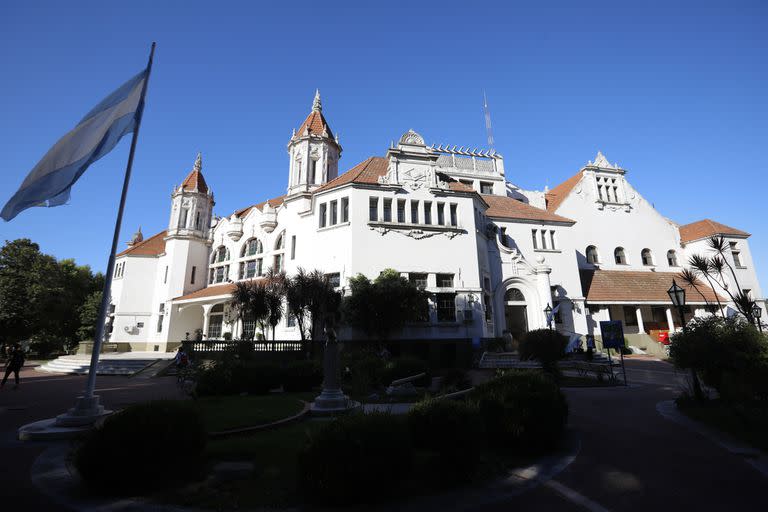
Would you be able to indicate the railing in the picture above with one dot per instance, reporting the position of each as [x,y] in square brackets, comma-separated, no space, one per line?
[258,345]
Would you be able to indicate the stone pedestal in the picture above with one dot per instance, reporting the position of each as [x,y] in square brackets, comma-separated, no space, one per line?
[86,413]
[332,399]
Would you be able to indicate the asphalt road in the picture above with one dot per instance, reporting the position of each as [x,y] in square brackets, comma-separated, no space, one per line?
[631,458]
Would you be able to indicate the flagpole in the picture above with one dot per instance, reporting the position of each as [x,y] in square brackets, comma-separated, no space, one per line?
[89,402]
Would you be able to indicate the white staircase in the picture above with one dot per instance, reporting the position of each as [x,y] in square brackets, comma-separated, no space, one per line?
[109,364]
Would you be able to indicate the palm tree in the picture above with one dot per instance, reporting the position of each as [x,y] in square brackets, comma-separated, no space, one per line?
[297,296]
[275,284]
[702,266]
[689,277]
[720,246]
[249,299]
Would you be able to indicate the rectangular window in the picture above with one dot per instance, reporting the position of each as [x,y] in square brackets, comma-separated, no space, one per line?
[544,239]
[197,221]
[241,271]
[486,188]
[334,279]
[387,210]
[401,210]
[293,246]
[427,212]
[278,262]
[373,209]
[334,213]
[414,212]
[454,215]
[183,218]
[441,214]
[344,209]
[446,307]
[165,278]
[445,280]
[250,269]
[552,240]
[535,239]
[418,279]
[736,254]
[312,171]
[290,318]
[258,266]
[219,274]
[630,315]
[321,215]
[160,322]
[192,278]
[488,308]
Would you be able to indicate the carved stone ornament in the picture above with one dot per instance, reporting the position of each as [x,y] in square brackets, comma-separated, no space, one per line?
[412,138]
[416,234]
[414,178]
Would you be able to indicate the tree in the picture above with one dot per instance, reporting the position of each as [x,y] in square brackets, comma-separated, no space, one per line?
[384,305]
[89,315]
[298,290]
[249,300]
[274,291]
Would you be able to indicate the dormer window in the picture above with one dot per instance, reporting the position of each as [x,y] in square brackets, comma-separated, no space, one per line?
[619,256]
[647,257]
[607,189]
[592,256]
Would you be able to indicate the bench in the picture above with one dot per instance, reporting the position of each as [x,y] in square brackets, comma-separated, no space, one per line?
[404,386]
[584,368]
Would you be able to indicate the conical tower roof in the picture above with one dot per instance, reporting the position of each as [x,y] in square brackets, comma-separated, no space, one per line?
[315,123]
[195,182]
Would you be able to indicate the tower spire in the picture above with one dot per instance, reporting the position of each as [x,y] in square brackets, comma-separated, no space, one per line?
[199,162]
[317,105]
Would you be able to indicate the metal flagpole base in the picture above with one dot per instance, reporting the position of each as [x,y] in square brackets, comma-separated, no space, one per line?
[86,414]
[332,402]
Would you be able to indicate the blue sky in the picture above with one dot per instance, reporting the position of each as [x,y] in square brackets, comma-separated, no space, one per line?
[676,92]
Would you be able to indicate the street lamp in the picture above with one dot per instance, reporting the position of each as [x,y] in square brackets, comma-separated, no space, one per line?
[548,313]
[757,312]
[677,296]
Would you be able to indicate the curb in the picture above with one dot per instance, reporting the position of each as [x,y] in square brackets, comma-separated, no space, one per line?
[266,426]
[52,475]
[751,455]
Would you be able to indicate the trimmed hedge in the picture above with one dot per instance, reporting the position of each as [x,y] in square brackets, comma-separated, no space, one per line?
[231,378]
[450,436]
[523,411]
[546,346]
[302,376]
[143,448]
[355,459]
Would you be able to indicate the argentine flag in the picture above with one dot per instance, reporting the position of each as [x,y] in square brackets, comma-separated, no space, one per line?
[49,183]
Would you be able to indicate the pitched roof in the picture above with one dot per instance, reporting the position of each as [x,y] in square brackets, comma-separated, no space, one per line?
[633,286]
[274,203]
[209,291]
[555,197]
[367,171]
[316,124]
[152,246]
[508,208]
[706,228]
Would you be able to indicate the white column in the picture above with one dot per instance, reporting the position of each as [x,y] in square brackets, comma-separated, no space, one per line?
[206,318]
[544,287]
[640,325]
[670,321]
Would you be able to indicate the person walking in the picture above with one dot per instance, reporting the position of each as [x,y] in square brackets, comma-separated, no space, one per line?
[14,365]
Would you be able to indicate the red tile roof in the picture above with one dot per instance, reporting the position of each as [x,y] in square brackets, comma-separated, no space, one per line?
[210,291]
[634,286]
[707,228]
[367,171]
[152,246]
[274,203]
[508,208]
[316,124]
[195,182]
[557,195]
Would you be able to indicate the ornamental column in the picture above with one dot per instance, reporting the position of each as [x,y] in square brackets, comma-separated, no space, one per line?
[206,318]
[544,287]
[640,325]
[670,321]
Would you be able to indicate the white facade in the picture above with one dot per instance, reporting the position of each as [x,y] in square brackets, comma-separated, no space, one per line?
[492,255]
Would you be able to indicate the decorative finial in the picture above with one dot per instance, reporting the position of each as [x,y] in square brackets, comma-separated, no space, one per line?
[199,162]
[317,106]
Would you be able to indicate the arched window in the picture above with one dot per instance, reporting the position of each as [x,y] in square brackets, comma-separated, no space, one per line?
[619,257]
[280,242]
[215,321]
[251,247]
[514,295]
[672,258]
[592,256]
[220,254]
[647,256]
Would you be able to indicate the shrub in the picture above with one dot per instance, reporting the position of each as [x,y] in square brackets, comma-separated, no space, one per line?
[449,431]
[302,376]
[729,354]
[545,345]
[405,367]
[144,447]
[231,376]
[454,379]
[355,459]
[366,369]
[522,411]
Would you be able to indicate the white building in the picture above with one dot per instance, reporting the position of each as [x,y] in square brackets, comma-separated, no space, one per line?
[492,255]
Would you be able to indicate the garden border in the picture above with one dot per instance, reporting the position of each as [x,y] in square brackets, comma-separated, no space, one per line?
[265,426]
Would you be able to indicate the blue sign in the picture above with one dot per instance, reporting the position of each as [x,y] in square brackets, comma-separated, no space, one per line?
[613,334]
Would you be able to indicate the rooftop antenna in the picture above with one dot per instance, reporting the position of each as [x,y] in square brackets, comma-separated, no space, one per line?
[488,127]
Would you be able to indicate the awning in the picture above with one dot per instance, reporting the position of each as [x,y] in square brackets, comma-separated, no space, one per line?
[633,287]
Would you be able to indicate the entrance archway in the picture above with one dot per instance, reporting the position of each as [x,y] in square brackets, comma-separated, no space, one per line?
[515,313]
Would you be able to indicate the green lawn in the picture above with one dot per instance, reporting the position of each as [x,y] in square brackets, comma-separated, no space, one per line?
[230,412]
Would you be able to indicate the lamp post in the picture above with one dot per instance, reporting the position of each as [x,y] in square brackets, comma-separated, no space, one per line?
[757,312]
[677,296]
[548,313]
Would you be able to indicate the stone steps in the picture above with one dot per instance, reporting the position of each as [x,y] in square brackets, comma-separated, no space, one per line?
[80,366]
[507,360]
